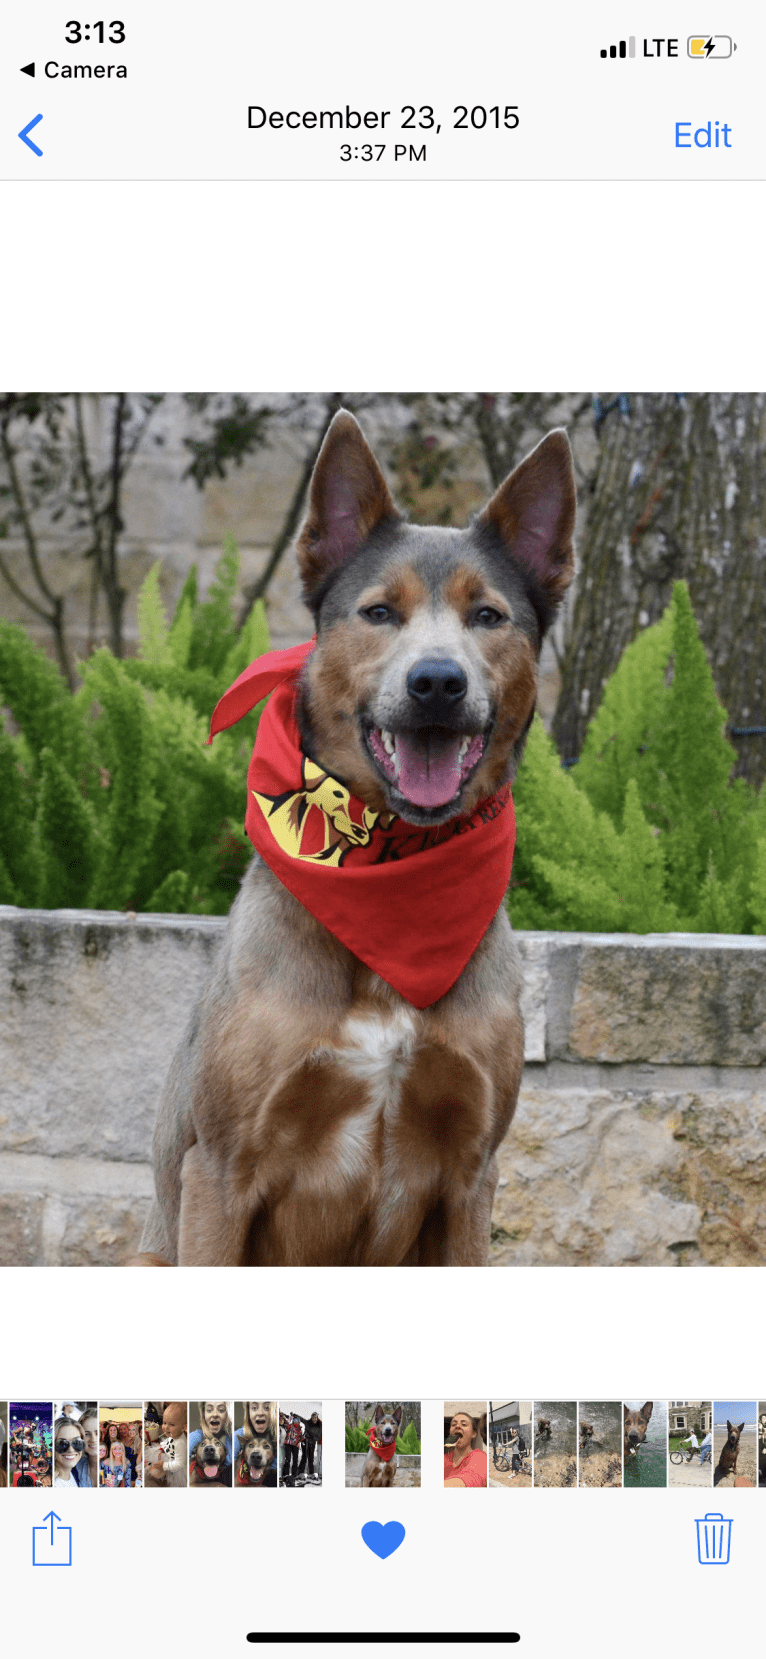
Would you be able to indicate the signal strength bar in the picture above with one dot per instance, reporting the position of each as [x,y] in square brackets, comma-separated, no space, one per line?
[625,49]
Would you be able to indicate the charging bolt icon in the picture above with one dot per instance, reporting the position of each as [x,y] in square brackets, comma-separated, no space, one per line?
[710,46]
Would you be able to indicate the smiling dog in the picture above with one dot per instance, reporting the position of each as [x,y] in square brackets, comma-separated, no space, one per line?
[210,1465]
[381,1464]
[336,1103]
[257,1462]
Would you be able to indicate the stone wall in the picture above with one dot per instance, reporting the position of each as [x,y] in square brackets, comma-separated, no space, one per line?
[640,1136]
[407,1469]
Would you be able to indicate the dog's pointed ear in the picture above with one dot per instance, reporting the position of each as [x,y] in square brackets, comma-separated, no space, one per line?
[741,1426]
[378,1413]
[398,1416]
[533,513]
[348,498]
[646,1410]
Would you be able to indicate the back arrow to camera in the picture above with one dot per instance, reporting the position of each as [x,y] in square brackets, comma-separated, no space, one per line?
[24,135]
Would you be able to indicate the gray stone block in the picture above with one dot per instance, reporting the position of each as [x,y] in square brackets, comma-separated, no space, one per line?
[92,1005]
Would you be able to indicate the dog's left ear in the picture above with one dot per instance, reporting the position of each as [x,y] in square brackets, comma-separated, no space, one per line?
[348,498]
[533,513]
[646,1410]
[398,1416]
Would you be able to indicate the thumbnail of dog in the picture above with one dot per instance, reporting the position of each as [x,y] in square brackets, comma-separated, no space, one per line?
[727,1462]
[256,1465]
[314,1114]
[210,1465]
[380,1467]
[635,1425]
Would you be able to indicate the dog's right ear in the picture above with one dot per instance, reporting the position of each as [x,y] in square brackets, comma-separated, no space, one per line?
[741,1426]
[348,498]
[646,1410]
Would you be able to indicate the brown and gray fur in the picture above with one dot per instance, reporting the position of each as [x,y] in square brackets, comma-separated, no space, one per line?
[635,1425]
[313,1116]
[376,1472]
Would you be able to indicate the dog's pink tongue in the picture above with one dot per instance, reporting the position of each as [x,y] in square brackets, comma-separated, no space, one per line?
[429,768]
[211,1470]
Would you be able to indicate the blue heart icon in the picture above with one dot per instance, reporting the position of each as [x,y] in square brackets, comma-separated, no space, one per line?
[383,1540]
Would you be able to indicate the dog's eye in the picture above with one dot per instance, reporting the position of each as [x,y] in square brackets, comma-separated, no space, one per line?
[487,617]
[378,614]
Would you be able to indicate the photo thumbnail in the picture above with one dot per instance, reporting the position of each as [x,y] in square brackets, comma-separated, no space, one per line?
[465,1443]
[645,1443]
[121,1445]
[383,1443]
[555,1427]
[257,1445]
[210,1443]
[512,1442]
[166,1443]
[3,1443]
[735,1443]
[600,1443]
[690,1443]
[30,1440]
[300,1441]
[75,1443]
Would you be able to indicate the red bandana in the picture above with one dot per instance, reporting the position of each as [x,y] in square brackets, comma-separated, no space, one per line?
[385,1453]
[414,920]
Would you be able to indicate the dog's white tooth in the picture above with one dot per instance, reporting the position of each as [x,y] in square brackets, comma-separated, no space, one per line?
[388,741]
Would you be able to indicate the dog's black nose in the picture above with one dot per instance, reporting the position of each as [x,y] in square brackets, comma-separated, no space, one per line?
[437,684]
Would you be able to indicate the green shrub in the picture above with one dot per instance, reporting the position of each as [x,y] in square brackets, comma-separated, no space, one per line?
[357,1440]
[110,798]
[646,834]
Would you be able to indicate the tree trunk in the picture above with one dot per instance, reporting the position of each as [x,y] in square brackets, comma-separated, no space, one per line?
[678,492]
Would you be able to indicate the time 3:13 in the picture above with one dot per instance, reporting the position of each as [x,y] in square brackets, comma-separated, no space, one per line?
[77,32]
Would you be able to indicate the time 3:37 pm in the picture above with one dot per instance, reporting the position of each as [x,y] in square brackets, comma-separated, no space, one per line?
[477,118]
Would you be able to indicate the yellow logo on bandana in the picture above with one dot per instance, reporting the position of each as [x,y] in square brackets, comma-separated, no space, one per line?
[330,837]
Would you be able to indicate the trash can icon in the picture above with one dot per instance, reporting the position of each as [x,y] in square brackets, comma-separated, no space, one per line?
[713,1540]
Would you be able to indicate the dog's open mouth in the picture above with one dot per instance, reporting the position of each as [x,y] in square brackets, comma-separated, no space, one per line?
[210,1470]
[429,766]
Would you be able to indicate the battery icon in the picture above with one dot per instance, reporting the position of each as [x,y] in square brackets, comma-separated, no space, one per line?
[710,46]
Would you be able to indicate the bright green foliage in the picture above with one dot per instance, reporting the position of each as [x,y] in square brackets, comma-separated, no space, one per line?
[42,702]
[571,883]
[154,646]
[646,834]
[112,799]
[626,719]
[65,836]
[758,889]
[211,622]
[408,1442]
[357,1441]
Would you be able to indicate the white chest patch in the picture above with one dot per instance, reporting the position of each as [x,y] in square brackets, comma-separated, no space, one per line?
[378,1050]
